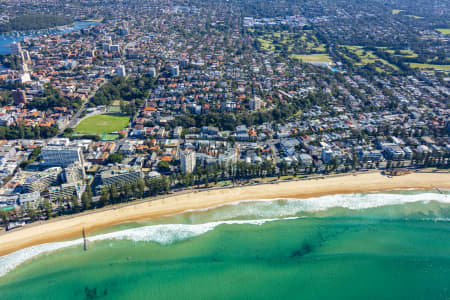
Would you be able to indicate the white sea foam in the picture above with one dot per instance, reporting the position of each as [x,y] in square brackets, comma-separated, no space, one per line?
[163,234]
[276,208]
[263,210]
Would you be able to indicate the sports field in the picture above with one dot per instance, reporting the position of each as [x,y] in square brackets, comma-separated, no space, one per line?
[396,11]
[444,30]
[110,137]
[312,57]
[415,17]
[430,66]
[101,124]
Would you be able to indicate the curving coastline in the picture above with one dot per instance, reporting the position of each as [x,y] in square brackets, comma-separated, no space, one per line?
[71,227]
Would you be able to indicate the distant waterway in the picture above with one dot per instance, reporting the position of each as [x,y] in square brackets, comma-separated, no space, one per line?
[9,37]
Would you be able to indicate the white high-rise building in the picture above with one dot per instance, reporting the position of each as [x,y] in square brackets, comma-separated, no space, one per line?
[62,156]
[106,46]
[42,180]
[120,70]
[24,68]
[152,72]
[15,48]
[255,103]
[114,48]
[188,161]
[175,70]
[230,157]
[74,173]
[25,77]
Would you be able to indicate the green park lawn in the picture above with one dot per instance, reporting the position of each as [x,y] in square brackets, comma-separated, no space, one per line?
[266,44]
[307,42]
[403,53]
[369,57]
[114,109]
[444,30]
[101,124]
[94,20]
[396,11]
[312,57]
[415,17]
[110,137]
[430,66]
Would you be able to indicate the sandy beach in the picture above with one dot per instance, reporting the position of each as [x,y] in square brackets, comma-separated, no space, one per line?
[71,227]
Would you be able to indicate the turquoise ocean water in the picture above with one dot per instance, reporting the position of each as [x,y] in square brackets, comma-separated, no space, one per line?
[360,246]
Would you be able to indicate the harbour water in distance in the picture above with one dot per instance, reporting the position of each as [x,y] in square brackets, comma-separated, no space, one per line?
[9,37]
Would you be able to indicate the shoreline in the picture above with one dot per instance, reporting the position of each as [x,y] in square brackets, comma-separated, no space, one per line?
[71,226]
[65,26]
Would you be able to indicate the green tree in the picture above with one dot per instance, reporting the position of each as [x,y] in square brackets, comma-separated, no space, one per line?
[48,208]
[5,216]
[134,189]
[141,187]
[166,184]
[127,191]
[75,204]
[60,206]
[116,157]
[163,166]
[114,195]
[31,212]
[38,214]
[86,200]
[105,196]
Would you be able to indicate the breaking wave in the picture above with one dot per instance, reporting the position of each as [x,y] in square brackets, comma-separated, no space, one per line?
[277,208]
[257,212]
[161,234]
